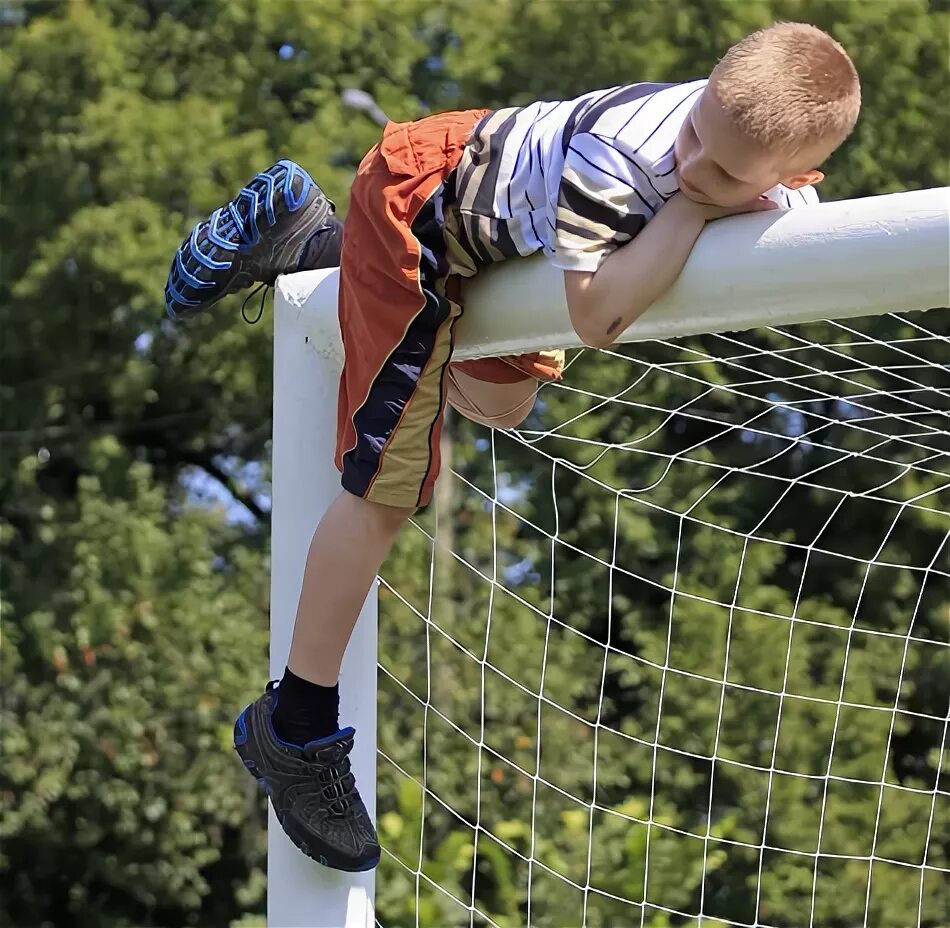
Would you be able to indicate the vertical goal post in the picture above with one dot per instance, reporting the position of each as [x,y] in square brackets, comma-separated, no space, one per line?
[834,260]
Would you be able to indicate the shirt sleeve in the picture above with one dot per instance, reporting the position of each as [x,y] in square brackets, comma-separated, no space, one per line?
[602,203]
[793,199]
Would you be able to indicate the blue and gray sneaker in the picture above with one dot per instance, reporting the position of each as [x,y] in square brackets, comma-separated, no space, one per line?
[259,234]
[311,788]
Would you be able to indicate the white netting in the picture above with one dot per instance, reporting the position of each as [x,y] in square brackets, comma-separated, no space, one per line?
[675,653]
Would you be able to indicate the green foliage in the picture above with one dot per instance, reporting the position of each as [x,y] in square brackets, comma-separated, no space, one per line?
[118,783]
[134,487]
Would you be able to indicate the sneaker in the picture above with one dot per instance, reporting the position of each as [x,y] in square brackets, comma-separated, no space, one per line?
[310,787]
[256,236]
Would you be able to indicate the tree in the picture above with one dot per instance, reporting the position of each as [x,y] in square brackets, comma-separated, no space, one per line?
[134,497]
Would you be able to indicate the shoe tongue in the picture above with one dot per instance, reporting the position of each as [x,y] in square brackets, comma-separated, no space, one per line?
[331,749]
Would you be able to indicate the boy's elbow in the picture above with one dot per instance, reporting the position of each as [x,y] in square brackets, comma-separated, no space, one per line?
[598,328]
[583,310]
[599,318]
[591,332]
[596,339]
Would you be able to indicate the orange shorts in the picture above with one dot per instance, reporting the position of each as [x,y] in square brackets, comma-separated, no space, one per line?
[398,305]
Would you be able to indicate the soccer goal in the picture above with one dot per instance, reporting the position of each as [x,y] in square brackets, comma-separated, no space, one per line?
[675,651]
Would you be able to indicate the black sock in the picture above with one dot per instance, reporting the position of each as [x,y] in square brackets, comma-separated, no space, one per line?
[305,711]
[324,248]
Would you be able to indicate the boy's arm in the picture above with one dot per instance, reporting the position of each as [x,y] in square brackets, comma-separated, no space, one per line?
[605,302]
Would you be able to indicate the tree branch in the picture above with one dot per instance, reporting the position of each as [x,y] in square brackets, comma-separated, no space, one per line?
[206,463]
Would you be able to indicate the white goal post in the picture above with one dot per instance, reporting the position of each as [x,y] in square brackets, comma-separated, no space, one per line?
[843,259]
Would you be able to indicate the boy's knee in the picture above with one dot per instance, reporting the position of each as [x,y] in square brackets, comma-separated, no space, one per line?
[391,517]
[514,418]
[396,515]
[497,405]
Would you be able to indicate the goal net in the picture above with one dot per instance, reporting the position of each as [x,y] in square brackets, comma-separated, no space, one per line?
[675,652]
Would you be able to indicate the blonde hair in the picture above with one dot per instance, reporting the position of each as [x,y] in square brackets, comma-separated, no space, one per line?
[789,86]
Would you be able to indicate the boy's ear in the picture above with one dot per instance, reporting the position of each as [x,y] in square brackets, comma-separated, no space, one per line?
[804,179]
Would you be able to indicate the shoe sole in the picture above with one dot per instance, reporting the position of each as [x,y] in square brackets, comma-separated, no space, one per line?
[298,833]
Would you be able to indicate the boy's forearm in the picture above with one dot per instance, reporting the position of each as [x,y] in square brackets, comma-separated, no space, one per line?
[636,275]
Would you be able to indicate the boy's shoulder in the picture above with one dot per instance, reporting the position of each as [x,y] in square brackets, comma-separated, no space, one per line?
[629,108]
[600,99]
[615,95]
[621,108]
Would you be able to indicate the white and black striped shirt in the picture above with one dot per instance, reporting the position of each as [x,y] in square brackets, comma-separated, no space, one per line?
[576,178]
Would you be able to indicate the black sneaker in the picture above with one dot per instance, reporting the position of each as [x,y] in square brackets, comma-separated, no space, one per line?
[251,239]
[311,788]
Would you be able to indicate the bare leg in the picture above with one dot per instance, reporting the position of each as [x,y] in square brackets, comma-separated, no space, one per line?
[292,729]
[499,405]
[346,553]
[355,536]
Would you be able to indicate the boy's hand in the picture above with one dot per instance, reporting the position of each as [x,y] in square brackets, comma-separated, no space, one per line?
[760,204]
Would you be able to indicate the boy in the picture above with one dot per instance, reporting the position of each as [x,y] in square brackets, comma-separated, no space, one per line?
[614,186]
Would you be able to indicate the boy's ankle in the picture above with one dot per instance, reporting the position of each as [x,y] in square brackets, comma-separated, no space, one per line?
[305,711]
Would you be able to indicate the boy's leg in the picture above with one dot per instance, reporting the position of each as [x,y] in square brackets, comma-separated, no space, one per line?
[289,738]
[355,535]
[497,405]
[501,392]
[397,339]
[346,554]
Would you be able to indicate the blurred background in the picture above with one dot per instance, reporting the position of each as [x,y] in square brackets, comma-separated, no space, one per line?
[134,454]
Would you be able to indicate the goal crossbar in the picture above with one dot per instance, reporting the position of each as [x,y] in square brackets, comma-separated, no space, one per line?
[831,261]
[835,260]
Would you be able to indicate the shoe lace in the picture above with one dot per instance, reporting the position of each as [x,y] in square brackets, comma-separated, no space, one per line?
[338,786]
[337,782]
[243,224]
[260,310]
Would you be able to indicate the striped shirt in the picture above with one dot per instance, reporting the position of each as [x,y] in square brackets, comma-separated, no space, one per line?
[575,179]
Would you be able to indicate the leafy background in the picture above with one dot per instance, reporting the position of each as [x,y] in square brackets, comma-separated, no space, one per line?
[134,515]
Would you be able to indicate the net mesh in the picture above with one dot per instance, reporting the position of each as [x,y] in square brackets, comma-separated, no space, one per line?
[674,652]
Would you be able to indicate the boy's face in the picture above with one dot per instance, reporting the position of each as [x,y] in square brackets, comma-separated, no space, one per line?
[719,166]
